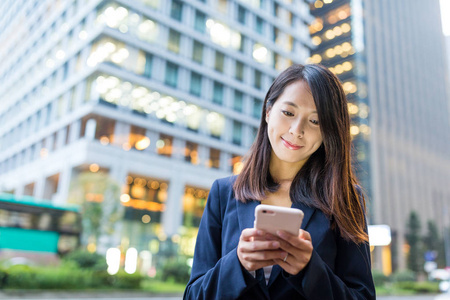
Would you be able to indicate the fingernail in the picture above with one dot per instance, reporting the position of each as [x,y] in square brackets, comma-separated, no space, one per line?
[283,254]
[259,232]
[276,244]
[280,233]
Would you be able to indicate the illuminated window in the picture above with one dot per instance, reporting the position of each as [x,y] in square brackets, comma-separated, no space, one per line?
[196,84]
[214,158]
[197,52]
[171,77]
[174,41]
[164,145]
[191,153]
[218,64]
[223,35]
[222,6]
[137,139]
[236,164]
[194,202]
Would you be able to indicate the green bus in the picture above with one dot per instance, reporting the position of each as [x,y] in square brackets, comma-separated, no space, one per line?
[30,227]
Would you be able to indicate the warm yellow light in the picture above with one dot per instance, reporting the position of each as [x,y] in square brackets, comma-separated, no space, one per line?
[329,34]
[124,198]
[155,185]
[146,219]
[342,15]
[176,238]
[352,108]
[316,58]
[345,27]
[327,1]
[94,168]
[346,46]
[143,143]
[338,50]
[318,4]
[364,129]
[104,140]
[316,40]
[354,130]
[337,31]
[339,69]
[330,53]
[347,66]
[44,152]
[91,247]
[237,168]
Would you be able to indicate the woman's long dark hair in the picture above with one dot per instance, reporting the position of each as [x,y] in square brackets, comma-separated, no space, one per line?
[326,180]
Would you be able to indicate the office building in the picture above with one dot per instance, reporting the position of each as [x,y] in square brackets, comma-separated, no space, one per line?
[397,64]
[162,97]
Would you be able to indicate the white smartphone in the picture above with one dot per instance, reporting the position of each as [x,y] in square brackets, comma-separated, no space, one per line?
[272,218]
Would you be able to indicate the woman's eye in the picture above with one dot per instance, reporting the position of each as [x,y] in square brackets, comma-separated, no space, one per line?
[286,113]
[315,122]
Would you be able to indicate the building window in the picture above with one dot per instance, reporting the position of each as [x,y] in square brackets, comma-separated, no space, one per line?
[257,81]
[257,108]
[259,25]
[171,74]
[239,72]
[104,131]
[197,52]
[241,15]
[237,132]
[174,41]
[200,21]
[238,101]
[148,65]
[218,93]
[176,10]
[164,145]
[194,202]
[196,84]
[138,139]
[191,153]
[218,65]
[214,158]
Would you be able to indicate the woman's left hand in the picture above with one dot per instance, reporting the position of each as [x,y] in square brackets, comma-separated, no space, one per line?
[299,248]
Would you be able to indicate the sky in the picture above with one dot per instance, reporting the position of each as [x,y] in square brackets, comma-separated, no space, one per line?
[445,13]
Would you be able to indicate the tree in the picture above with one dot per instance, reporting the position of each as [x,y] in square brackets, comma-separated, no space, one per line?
[432,241]
[98,196]
[413,237]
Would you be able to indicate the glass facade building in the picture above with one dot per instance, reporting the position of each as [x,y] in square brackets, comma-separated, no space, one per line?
[161,97]
[381,51]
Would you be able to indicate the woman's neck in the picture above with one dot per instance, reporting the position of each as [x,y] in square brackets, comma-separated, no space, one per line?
[283,172]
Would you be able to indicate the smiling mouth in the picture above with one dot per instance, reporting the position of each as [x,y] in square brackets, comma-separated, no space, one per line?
[290,146]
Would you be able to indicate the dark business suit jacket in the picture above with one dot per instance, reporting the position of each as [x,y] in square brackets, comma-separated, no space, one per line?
[337,270]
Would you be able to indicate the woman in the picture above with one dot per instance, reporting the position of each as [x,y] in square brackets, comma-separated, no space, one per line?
[301,159]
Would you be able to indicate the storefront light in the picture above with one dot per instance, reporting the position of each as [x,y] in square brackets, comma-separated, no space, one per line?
[113,260]
[131,260]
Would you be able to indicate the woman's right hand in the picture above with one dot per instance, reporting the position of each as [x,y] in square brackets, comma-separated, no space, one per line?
[254,252]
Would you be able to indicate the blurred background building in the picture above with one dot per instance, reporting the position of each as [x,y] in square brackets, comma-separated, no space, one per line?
[390,56]
[161,97]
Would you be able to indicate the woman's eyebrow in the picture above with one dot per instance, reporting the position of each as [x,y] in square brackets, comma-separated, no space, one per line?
[295,105]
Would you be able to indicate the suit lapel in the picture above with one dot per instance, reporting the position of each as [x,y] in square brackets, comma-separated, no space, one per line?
[246,214]
[308,212]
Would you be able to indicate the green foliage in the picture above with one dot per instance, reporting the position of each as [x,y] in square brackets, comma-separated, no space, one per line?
[431,239]
[158,286]
[87,260]
[176,270]
[3,278]
[415,256]
[419,287]
[124,280]
[379,278]
[402,276]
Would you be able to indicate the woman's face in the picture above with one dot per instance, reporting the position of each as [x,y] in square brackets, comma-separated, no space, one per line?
[293,124]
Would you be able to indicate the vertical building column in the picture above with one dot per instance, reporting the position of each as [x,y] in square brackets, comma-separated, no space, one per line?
[225,159]
[74,133]
[173,214]
[121,133]
[39,188]
[62,190]
[178,149]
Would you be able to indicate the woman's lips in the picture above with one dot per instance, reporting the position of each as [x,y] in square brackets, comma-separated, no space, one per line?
[289,145]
